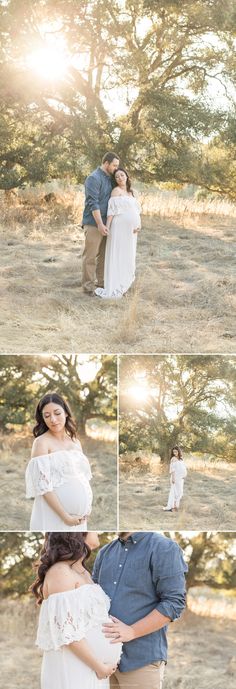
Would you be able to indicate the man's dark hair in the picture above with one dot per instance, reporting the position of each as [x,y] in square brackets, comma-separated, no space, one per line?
[109,157]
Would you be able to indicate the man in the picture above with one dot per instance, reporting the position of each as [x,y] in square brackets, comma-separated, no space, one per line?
[98,188]
[143,574]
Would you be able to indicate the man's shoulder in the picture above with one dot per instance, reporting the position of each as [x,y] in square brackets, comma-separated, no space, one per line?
[160,542]
[106,547]
[95,174]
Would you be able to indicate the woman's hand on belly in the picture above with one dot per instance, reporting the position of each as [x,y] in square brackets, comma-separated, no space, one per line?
[106,670]
[73,520]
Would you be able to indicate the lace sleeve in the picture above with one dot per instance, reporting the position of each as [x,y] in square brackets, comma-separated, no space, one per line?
[60,622]
[114,206]
[38,477]
[67,617]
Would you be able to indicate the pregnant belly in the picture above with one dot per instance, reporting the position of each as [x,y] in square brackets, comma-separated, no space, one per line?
[103,649]
[75,496]
[130,219]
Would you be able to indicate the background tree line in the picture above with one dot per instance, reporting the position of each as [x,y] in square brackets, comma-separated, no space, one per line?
[158,55]
[210,557]
[190,401]
[25,379]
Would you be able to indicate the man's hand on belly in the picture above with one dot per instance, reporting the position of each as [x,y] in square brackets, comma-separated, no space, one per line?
[118,631]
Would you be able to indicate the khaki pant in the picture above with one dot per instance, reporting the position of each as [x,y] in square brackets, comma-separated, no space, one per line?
[93,259]
[148,677]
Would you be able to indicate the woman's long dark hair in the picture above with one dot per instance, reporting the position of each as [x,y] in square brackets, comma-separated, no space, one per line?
[58,547]
[41,426]
[128,180]
[176,447]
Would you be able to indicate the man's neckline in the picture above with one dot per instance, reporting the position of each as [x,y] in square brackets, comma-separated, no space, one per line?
[134,538]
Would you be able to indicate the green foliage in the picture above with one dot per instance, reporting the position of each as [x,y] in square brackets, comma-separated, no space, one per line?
[24,379]
[19,552]
[173,130]
[210,557]
[199,391]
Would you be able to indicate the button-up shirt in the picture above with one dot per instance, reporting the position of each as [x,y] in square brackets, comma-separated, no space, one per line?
[98,188]
[142,574]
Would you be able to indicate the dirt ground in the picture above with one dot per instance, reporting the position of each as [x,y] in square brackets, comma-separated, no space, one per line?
[182,301]
[15,510]
[208,501]
[201,650]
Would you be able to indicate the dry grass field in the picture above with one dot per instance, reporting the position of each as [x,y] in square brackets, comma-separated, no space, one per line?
[201,650]
[15,510]
[182,301]
[208,501]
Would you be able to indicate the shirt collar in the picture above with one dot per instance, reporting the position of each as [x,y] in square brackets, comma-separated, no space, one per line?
[133,538]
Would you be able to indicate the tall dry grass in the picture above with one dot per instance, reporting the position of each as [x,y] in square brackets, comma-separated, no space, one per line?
[185,277]
[201,651]
[208,501]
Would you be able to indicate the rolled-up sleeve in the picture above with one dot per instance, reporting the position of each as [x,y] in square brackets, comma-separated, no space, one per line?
[169,578]
[92,189]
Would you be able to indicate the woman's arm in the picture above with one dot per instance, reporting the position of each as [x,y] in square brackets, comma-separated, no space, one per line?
[55,504]
[172,471]
[41,447]
[109,221]
[82,650]
[60,579]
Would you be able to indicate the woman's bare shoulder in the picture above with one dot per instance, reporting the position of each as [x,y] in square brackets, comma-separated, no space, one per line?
[40,446]
[59,578]
[116,192]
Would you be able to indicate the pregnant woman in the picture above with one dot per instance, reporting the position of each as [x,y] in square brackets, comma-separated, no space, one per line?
[58,473]
[77,655]
[178,473]
[123,223]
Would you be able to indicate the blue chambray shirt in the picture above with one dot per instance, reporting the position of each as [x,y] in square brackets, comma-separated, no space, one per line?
[144,573]
[98,188]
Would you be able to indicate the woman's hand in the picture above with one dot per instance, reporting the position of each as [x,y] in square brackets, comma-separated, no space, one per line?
[137,230]
[105,670]
[73,520]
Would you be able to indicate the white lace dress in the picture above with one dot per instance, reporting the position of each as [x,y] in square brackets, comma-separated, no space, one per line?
[120,256]
[67,473]
[72,616]
[179,471]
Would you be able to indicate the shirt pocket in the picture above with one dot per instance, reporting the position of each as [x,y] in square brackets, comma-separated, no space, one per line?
[135,573]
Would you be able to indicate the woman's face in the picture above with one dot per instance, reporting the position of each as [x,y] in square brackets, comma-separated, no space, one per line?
[92,540]
[54,416]
[175,453]
[120,178]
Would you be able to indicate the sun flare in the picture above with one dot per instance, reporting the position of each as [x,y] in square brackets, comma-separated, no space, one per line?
[139,392]
[48,62]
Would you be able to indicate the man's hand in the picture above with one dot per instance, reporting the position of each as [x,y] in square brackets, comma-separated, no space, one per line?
[117,631]
[103,229]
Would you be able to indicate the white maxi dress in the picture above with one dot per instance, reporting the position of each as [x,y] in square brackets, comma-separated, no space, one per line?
[120,256]
[179,472]
[67,473]
[72,616]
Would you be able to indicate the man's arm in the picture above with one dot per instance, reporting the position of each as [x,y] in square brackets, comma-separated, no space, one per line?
[168,570]
[99,222]
[92,196]
[119,631]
